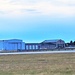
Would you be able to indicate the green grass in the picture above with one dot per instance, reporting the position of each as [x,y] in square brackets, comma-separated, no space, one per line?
[40,64]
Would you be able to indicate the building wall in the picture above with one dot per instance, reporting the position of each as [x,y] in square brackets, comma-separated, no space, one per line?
[52,44]
[47,46]
[1,45]
[13,44]
[60,44]
[31,46]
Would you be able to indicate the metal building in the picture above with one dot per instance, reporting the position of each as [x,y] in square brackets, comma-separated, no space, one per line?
[13,44]
[32,46]
[52,44]
[47,44]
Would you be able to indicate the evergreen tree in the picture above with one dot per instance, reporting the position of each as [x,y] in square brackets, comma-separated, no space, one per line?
[74,42]
[71,42]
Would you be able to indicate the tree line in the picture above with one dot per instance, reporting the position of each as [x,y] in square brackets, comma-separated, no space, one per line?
[71,43]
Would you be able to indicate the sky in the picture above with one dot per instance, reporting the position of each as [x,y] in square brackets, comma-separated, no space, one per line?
[37,20]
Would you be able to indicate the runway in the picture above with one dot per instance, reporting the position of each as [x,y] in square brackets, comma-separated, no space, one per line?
[39,52]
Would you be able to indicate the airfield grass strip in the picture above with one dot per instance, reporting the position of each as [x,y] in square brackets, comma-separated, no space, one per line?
[39,64]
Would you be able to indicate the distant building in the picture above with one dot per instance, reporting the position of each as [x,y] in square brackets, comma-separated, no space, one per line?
[52,44]
[47,44]
[19,45]
[13,44]
[32,46]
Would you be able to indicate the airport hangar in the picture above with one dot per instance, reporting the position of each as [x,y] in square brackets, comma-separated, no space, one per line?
[19,45]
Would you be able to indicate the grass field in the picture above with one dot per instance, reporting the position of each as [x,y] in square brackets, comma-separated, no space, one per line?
[40,64]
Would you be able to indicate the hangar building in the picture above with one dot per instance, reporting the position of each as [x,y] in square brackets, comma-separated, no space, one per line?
[47,44]
[52,44]
[12,44]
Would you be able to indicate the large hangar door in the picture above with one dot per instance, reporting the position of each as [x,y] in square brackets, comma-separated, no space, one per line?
[16,46]
[19,46]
